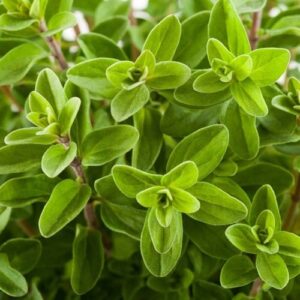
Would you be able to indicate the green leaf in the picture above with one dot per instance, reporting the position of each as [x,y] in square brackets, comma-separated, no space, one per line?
[68,115]
[241,236]
[15,64]
[249,97]
[91,74]
[226,26]
[146,60]
[210,291]
[187,96]
[260,173]
[11,281]
[98,149]
[60,22]
[184,201]
[211,240]
[209,82]
[217,206]
[265,198]
[20,158]
[242,66]
[237,271]
[56,213]
[243,135]
[163,238]
[147,149]
[88,259]
[289,243]
[123,218]
[215,49]
[168,75]
[160,265]
[182,176]
[206,147]
[268,65]
[118,72]
[191,48]
[15,22]
[96,45]
[113,27]
[38,8]
[23,254]
[131,181]
[285,104]
[22,191]
[164,38]
[29,136]
[127,102]
[49,86]
[57,158]
[272,269]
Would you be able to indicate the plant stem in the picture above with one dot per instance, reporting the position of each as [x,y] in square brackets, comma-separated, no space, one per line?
[256,286]
[6,90]
[54,46]
[133,22]
[27,228]
[253,34]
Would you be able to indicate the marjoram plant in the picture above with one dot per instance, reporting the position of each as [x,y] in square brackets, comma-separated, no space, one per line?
[149,153]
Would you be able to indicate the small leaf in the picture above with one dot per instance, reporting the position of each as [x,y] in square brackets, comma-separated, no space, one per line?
[241,236]
[118,72]
[237,271]
[15,22]
[182,176]
[163,237]
[273,270]
[88,259]
[68,115]
[160,265]
[217,207]
[22,191]
[57,158]
[49,86]
[265,198]
[96,45]
[20,158]
[38,8]
[56,213]
[184,201]
[164,38]
[249,97]
[98,149]
[215,49]
[23,254]
[206,147]
[168,75]
[11,281]
[59,22]
[131,181]
[127,102]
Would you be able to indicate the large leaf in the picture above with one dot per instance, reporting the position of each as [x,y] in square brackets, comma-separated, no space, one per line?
[56,213]
[20,158]
[160,265]
[88,259]
[104,145]
[163,40]
[18,61]
[246,6]
[206,147]
[226,26]
[22,191]
[192,45]
[217,207]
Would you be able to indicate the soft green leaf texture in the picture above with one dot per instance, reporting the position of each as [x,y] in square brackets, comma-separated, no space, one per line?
[164,38]
[206,147]
[88,259]
[56,213]
[60,22]
[12,282]
[97,148]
